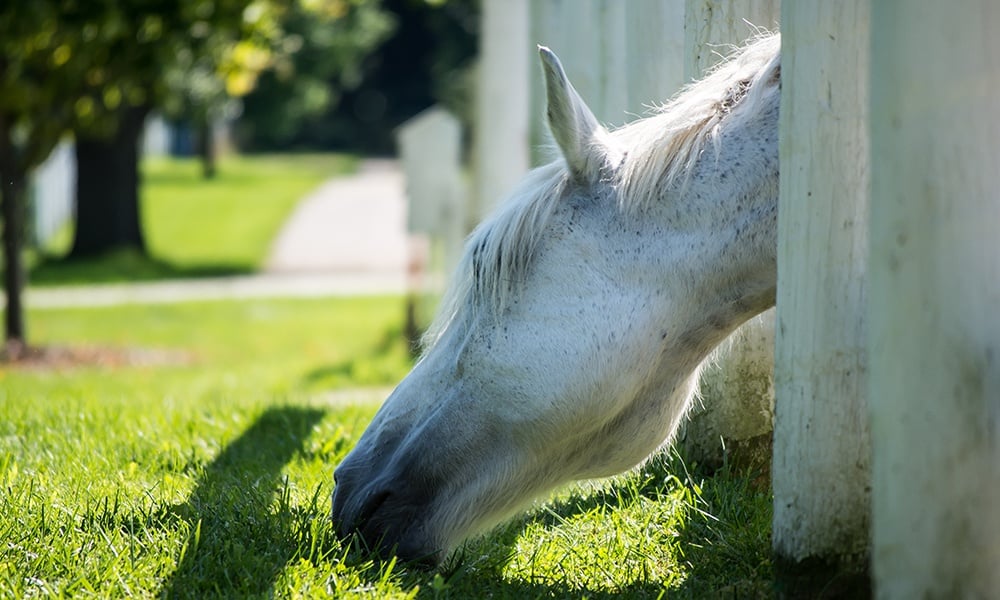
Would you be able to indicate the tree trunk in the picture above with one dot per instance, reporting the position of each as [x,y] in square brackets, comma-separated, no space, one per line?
[821,470]
[13,177]
[206,148]
[13,192]
[107,189]
[935,273]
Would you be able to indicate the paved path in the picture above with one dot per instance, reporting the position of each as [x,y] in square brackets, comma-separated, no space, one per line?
[347,238]
[348,225]
[221,288]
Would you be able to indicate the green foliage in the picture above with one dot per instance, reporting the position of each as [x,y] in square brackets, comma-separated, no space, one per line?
[198,227]
[82,65]
[75,64]
[323,50]
[207,473]
[230,43]
[426,60]
[72,64]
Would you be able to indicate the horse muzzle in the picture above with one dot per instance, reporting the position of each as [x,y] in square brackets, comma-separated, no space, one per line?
[389,511]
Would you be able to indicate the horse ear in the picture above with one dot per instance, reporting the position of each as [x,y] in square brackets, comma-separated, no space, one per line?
[584,143]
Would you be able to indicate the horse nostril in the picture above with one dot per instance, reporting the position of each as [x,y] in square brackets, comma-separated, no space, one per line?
[384,516]
[371,506]
[352,508]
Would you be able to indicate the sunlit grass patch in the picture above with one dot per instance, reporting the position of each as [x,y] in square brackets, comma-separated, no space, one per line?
[212,477]
[655,532]
[231,219]
[204,227]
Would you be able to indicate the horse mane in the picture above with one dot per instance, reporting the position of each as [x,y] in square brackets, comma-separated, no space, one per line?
[660,151]
[662,148]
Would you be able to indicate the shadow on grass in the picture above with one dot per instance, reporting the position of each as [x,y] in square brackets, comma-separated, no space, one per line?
[374,367]
[724,541]
[123,266]
[240,540]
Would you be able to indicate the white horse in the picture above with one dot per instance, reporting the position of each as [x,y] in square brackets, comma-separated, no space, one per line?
[569,344]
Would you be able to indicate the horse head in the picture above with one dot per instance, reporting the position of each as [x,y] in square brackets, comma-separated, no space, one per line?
[569,341]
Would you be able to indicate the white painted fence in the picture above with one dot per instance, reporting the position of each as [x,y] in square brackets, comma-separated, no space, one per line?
[934,302]
[501,133]
[822,454]
[430,148]
[53,194]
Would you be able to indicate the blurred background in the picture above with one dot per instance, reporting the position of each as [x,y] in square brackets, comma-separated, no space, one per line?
[172,140]
[198,149]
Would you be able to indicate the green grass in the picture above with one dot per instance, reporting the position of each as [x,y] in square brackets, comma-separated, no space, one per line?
[209,475]
[197,227]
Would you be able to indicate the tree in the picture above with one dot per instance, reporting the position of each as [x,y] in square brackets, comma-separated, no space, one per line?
[324,51]
[78,65]
[190,53]
[49,75]
[426,60]
[821,462]
[216,52]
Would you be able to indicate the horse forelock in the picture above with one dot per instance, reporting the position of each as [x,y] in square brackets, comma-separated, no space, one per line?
[660,150]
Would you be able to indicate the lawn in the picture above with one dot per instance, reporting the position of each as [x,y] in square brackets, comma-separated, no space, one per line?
[195,460]
[198,227]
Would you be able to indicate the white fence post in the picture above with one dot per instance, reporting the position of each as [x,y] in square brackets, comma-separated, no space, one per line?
[156,136]
[589,37]
[712,28]
[821,468]
[654,51]
[934,305]
[430,146]
[621,56]
[52,193]
[501,136]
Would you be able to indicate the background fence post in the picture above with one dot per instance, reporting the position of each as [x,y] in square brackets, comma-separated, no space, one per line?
[501,134]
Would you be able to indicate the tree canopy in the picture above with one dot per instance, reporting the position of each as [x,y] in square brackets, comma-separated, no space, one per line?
[73,64]
[353,84]
[323,58]
[81,65]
